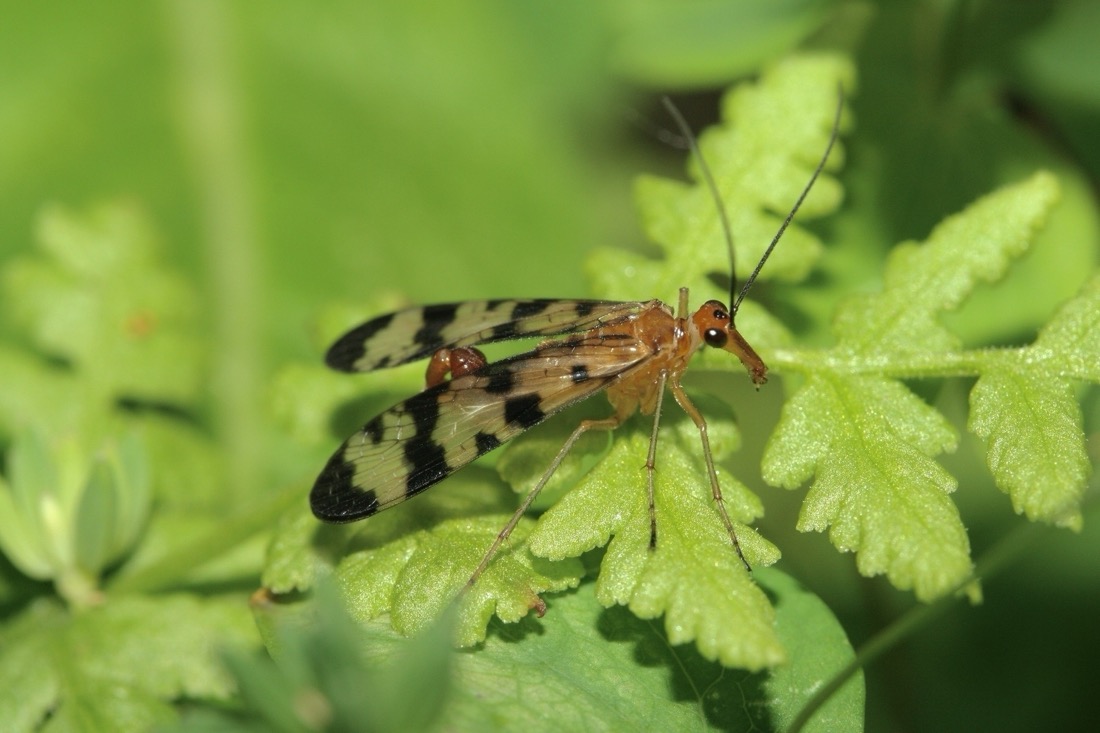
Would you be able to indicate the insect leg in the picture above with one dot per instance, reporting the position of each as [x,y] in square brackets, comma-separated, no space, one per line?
[609,423]
[650,462]
[697,417]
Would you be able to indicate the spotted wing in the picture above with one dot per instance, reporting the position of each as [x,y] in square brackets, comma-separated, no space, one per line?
[424,439]
[416,333]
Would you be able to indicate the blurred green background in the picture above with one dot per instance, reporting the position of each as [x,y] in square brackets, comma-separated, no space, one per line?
[300,163]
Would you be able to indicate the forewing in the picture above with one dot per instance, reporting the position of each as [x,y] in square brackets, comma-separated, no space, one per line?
[416,333]
[422,440]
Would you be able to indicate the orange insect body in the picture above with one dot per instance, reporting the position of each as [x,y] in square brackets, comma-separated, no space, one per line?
[672,341]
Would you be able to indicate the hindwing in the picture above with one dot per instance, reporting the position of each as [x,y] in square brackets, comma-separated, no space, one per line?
[424,439]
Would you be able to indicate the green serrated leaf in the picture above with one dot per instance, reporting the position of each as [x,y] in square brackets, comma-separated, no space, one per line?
[1032,423]
[523,462]
[416,578]
[870,442]
[295,560]
[1026,409]
[772,136]
[1072,338]
[923,280]
[1028,412]
[694,577]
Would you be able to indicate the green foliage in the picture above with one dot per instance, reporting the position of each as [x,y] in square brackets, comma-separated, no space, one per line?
[164,407]
[328,676]
[774,132]
[694,579]
[116,666]
[703,43]
[98,298]
[64,520]
[870,441]
[590,667]
[107,332]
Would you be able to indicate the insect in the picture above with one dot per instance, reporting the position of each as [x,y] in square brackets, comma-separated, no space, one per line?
[632,351]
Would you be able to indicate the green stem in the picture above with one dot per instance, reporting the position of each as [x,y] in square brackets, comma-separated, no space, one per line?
[214,132]
[1000,555]
[923,365]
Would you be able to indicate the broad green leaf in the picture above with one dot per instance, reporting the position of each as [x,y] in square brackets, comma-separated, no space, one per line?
[583,667]
[817,648]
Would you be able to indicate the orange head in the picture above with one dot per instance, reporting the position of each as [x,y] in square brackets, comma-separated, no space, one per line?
[715,324]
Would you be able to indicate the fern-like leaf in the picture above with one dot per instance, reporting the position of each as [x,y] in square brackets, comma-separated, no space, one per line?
[870,444]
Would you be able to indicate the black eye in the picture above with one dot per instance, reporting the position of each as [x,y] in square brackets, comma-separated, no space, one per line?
[720,314]
[715,337]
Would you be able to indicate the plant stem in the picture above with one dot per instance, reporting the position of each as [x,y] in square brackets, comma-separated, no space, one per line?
[214,132]
[1000,555]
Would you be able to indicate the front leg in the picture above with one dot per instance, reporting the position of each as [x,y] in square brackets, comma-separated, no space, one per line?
[700,423]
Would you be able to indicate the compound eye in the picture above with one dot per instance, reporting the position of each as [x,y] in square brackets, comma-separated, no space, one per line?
[715,337]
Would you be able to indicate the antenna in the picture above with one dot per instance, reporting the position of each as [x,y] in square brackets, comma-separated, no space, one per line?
[797,204]
[723,216]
